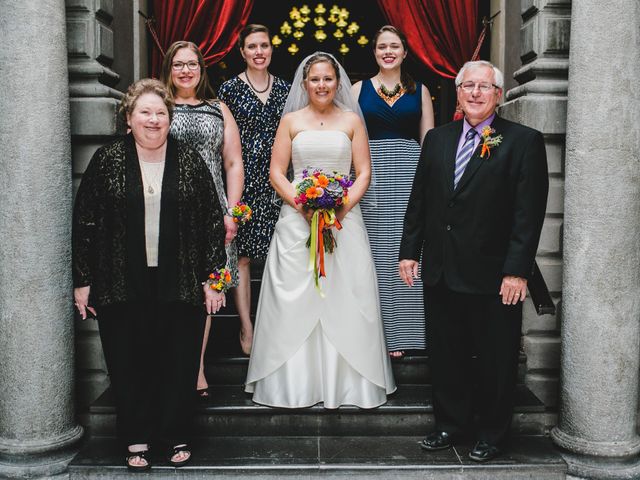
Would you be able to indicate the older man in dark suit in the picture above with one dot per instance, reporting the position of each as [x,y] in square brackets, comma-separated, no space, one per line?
[475,212]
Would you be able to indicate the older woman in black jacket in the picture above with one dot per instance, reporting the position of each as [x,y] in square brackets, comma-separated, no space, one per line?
[148,233]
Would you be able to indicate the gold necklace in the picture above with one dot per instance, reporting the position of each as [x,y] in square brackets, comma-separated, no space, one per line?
[156,177]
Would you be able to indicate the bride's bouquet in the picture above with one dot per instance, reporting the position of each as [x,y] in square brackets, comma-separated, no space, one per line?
[323,193]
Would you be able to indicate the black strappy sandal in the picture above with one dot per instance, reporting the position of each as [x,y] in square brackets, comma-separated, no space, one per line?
[177,449]
[141,454]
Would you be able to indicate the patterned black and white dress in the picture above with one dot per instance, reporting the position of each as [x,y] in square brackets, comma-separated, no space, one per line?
[257,123]
[202,127]
[393,134]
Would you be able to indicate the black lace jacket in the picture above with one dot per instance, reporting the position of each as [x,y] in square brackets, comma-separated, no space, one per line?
[109,251]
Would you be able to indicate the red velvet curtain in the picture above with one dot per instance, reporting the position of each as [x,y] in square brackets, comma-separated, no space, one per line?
[442,34]
[213,25]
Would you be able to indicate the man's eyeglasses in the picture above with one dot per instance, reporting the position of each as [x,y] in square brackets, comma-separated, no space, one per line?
[484,87]
[177,66]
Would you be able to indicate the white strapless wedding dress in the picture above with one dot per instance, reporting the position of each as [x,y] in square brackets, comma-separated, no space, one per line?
[308,348]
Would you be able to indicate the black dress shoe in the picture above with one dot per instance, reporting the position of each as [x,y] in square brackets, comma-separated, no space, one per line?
[483,452]
[436,441]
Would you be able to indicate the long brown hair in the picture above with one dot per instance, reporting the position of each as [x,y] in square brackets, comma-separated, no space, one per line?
[407,82]
[203,89]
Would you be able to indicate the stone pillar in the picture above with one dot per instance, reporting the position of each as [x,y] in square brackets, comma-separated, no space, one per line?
[540,101]
[37,427]
[601,311]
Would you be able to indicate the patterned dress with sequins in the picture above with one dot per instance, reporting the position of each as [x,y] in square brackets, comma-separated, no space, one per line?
[202,127]
[258,123]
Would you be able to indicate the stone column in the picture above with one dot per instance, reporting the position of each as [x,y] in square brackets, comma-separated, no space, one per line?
[540,101]
[37,427]
[601,285]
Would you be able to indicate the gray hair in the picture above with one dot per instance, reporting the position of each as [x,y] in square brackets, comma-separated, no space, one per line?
[497,74]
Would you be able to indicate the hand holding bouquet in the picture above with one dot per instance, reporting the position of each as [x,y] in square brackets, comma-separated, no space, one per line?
[323,193]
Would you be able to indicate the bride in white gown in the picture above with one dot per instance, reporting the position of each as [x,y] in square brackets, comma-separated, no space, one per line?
[310,348]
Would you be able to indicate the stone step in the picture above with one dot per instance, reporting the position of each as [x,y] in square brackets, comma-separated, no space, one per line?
[412,369]
[230,411]
[328,457]
[232,370]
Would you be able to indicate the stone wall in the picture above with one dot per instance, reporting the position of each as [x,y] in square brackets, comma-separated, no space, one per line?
[104,37]
[540,101]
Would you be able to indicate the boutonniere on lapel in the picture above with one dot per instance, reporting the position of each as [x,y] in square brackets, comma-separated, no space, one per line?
[489,141]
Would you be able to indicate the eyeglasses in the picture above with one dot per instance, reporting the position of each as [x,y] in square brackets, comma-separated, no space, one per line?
[177,66]
[484,87]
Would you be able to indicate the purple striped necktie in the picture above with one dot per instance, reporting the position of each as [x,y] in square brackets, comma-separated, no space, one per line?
[463,157]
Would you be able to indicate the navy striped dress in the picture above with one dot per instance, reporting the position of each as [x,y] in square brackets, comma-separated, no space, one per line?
[393,139]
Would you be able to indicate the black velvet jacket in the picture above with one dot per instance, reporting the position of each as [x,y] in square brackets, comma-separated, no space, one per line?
[109,251]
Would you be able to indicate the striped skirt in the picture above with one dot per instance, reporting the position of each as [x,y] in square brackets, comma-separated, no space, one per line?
[394,164]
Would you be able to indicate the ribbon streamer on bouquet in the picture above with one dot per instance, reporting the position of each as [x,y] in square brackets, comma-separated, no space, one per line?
[322,219]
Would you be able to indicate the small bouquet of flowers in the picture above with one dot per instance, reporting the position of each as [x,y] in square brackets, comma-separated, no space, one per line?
[241,213]
[323,193]
[488,142]
[219,279]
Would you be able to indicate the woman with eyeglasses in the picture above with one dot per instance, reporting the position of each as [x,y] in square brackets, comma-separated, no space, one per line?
[256,98]
[207,125]
[398,113]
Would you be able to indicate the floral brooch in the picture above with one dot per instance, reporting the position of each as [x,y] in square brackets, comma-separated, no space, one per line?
[488,142]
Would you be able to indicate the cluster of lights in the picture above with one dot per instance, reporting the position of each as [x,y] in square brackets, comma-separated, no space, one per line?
[335,19]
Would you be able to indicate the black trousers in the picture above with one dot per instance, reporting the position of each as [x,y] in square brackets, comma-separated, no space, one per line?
[472,396]
[152,350]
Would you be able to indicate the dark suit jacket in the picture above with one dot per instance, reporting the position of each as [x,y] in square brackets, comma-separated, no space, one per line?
[490,225]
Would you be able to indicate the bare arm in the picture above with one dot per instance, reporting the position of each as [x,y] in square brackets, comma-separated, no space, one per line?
[361,158]
[426,120]
[233,167]
[232,157]
[280,160]
[355,90]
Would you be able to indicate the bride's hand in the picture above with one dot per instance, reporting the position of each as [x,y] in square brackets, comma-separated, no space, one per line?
[341,212]
[307,213]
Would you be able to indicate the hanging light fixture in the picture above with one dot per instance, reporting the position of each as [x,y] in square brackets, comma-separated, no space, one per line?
[293,49]
[327,22]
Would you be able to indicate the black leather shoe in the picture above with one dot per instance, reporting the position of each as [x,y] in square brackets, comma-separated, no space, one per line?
[436,441]
[483,452]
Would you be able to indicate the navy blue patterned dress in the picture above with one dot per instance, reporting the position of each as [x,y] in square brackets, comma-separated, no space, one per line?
[258,123]
[393,140]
